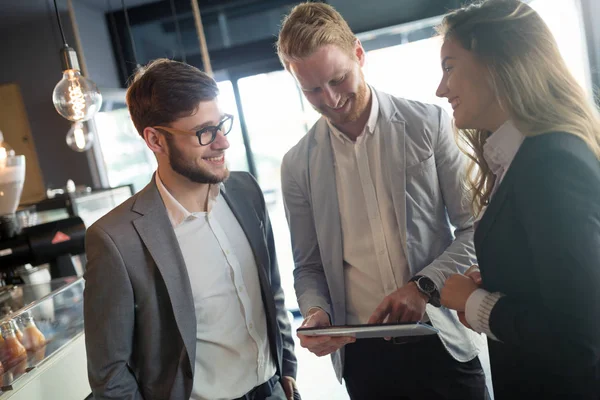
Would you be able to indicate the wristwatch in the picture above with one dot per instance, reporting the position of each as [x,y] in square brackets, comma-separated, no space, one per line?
[427,287]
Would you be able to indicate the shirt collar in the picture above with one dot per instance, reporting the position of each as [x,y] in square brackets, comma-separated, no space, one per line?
[371,122]
[501,147]
[178,213]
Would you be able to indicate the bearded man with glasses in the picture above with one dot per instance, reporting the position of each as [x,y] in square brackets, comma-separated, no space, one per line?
[183,297]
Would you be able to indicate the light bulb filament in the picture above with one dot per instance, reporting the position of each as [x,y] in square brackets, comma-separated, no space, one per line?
[76,100]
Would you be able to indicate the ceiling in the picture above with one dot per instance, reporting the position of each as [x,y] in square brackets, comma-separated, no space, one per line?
[17,12]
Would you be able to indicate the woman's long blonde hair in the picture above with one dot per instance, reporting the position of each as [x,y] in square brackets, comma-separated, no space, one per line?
[529,77]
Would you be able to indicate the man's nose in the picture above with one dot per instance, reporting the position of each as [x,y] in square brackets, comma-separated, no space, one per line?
[221,142]
[331,97]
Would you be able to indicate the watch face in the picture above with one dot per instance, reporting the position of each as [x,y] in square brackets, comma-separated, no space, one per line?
[426,284]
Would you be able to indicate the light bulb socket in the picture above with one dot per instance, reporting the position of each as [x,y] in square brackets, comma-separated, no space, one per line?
[68,58]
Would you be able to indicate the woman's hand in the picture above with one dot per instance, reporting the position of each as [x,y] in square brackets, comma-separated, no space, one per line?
[456,291]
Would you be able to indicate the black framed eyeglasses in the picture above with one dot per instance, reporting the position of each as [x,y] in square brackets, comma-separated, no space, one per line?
[206,135]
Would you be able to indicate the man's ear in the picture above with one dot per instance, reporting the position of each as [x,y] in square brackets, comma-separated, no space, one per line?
[155,140]
[359,51]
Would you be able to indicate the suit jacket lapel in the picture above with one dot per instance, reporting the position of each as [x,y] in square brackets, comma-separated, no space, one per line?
[490,213]
[393,156]
[251,223]
[254,228]
[492,210]
[154,228]
[326,211]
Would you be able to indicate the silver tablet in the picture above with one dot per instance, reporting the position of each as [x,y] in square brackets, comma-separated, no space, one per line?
[372,330]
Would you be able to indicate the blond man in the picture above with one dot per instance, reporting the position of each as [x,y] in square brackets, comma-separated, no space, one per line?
[375,207]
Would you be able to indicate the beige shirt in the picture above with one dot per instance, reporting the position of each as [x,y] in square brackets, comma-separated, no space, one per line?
[374,260]
[232,346]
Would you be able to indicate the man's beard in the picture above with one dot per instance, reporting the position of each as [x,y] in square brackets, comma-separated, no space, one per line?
[191,171]
[359,100]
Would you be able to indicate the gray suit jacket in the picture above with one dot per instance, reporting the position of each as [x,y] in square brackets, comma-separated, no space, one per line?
[140,323]
[424,167]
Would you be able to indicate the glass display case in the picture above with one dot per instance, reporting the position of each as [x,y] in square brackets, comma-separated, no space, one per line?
[42,348]
[87,204]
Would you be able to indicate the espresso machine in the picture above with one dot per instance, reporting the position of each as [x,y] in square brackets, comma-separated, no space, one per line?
[52,243]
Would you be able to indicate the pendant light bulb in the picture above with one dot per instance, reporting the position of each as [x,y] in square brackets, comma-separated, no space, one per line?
[79,138]
[75,97]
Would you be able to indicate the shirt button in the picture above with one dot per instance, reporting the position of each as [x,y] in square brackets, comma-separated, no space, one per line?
[241,288]
[227,252]
[251,326]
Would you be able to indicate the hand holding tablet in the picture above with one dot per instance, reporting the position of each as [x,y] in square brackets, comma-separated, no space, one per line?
[321,345]
[371,330]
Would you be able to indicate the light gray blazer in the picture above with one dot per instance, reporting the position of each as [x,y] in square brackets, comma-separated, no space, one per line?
[424,167]
[140,323]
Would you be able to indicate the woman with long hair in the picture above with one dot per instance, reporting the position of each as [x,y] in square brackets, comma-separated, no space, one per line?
[533,138]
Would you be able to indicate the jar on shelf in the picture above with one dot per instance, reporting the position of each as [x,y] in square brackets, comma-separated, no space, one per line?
[17,330]
[33,338]
[14,352]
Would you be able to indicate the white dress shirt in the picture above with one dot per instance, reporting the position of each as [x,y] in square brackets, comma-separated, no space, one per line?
[499,150]
[232,346]
[374,260]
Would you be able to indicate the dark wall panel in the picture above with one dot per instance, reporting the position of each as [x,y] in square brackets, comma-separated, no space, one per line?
[30,58]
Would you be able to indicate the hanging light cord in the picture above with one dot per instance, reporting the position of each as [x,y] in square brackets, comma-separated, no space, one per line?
[201,38]
[178,31]
[60,27]
[129,31]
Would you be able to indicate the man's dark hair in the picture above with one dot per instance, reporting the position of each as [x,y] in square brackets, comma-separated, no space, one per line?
[166,90]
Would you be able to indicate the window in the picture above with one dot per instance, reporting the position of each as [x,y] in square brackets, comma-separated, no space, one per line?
[126,158]
[277,118]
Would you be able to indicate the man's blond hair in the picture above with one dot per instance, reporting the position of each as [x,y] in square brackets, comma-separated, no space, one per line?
[310,26]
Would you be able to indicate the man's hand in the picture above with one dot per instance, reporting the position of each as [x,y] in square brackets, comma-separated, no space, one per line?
[321,345]
[289,386]
[406,304]
[456,291]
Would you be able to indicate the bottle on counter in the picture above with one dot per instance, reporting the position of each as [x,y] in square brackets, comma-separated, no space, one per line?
[13,352]
[39,355]
[2,349]
[18,332]
[33,338]
[1,374]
